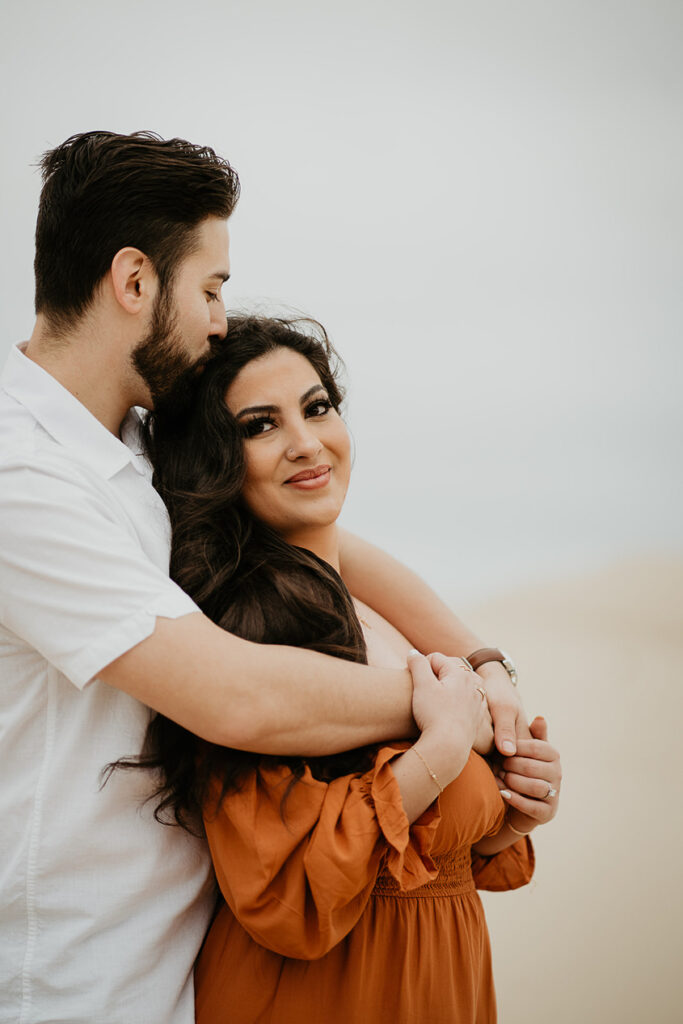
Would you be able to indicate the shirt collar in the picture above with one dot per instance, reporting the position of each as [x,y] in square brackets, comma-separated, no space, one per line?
[68,421]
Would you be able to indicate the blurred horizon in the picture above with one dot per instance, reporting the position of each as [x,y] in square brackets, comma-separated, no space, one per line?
[481,203]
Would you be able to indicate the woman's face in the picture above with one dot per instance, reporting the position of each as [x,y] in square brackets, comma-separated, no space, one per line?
[297,447]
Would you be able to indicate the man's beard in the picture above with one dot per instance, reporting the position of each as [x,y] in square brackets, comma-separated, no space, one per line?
[161,361]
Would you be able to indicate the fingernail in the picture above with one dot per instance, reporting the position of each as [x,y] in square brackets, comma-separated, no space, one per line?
[508,747]
[506,793]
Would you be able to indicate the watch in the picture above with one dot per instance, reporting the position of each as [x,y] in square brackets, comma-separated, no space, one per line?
[487,654]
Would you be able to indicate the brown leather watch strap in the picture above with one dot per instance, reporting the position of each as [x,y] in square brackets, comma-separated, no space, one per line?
[483,655]
[486,654]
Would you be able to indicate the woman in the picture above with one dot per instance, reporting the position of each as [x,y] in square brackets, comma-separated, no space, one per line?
[334,908]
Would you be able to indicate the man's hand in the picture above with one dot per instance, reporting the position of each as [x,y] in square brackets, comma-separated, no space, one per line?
[509,719]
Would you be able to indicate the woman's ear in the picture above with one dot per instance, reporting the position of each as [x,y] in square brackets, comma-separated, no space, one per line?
[134,281]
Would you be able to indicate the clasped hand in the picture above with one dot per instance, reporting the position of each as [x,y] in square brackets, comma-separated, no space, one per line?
[530,781]
[450,697]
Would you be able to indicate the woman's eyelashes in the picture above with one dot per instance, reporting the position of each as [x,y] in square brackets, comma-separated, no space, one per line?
[265,424]
[257,425]
[318,407]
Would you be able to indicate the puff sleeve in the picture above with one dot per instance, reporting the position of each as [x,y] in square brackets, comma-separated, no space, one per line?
[297,875]
[509,869]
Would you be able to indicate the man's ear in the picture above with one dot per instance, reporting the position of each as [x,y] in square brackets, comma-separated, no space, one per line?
[134,281]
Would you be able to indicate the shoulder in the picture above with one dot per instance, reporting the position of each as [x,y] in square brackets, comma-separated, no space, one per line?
[33,468]
[19,430]
[34,464]
[24,443]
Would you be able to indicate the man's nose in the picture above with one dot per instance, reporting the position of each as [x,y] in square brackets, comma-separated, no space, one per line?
[219,321]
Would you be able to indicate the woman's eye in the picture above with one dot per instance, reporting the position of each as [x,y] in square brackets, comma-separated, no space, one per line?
[261,425]
[212,296]
[319,407]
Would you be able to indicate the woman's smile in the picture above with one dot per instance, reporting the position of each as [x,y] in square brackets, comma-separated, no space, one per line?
[296,446]
[311,479]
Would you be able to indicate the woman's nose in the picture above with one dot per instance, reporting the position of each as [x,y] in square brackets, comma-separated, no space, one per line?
[302,443]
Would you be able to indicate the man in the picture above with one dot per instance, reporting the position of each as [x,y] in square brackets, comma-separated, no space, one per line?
[103,909]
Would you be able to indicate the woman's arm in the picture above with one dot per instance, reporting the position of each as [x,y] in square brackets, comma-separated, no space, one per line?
[296,864]
[297,870]
[447,708]
[428,623]
[532,779]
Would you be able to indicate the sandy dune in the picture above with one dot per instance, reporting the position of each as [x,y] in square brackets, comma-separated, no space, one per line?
[598,936]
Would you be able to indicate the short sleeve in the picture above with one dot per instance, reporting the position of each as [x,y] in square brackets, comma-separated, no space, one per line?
[75,582]
[512,868]
[296,863]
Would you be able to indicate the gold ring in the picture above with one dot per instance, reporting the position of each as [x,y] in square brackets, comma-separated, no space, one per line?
[482,691]
[466,664]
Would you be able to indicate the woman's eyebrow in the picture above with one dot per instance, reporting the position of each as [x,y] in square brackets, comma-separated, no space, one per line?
[276,408]
[257,408]
[312,391]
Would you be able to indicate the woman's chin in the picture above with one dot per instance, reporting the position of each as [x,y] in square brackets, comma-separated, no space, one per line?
[312,533]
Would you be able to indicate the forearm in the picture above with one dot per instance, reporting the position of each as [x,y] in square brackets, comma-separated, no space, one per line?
[489,846]
[310,704]
[428,623]
[404,599]
[445,757]
[275,700]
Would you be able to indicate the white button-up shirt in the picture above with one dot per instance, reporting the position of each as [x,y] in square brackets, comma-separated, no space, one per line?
[102,910]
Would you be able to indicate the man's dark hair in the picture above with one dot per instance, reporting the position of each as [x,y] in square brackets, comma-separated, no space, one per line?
[103,192]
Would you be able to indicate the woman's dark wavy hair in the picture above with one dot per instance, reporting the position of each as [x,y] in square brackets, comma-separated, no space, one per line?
[240,572]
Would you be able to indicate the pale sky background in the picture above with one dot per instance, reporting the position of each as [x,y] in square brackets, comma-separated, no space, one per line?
[483,204]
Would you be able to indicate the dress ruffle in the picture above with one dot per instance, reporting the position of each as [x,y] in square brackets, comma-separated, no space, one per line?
[297,871]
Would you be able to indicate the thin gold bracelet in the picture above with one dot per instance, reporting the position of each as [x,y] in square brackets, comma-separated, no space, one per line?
[431,773]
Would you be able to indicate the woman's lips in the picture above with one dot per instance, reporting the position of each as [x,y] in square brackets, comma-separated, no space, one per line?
[310,479]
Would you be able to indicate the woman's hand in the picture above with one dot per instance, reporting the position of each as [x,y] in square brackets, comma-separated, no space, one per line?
[448,706]
[483,742]
[530,781]
[449,700]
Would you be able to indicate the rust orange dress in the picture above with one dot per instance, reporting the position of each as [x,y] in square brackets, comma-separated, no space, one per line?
[336,910]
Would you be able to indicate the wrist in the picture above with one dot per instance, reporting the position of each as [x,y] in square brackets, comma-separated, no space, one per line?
[444,753]
[491,656]
[516,827]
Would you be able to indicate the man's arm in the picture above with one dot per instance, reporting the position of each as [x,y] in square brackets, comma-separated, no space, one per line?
[262,697]
[77,587]
[428,623]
